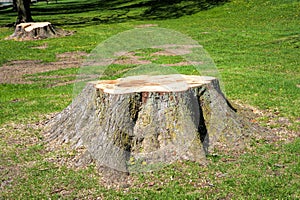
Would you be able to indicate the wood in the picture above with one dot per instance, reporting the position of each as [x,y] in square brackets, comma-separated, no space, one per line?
[142,122]
[36,30]
[24,12]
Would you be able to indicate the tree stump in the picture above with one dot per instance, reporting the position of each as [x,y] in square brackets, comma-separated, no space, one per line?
[37,30]
[142,122]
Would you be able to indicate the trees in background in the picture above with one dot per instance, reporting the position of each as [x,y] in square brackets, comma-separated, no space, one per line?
[23,9]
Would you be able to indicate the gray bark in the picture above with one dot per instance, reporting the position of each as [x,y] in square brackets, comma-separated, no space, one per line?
[132,128]
[24,13]
[36,30]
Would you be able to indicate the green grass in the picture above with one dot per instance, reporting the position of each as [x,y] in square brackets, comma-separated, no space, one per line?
[115,71]
[255,46]
[268,172]
[244,43]
[28,102]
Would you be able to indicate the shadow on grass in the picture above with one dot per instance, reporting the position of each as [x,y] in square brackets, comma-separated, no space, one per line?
[114,11]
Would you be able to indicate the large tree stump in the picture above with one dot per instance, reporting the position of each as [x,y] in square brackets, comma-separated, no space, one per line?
[141,122]
[37,30]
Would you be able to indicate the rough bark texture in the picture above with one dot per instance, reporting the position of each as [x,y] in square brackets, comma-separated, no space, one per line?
[24,13]
[142,122]
[37,30]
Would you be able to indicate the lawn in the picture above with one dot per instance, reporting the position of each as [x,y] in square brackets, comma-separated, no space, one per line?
[255,47]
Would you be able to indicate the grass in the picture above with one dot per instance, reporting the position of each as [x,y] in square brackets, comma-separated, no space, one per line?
[28,102]
[255,46]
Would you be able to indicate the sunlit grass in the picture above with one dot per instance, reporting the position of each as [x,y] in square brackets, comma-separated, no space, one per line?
[255,46]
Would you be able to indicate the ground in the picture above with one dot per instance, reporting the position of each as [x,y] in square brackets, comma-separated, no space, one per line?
[14,71]
[31,135]
[255,45]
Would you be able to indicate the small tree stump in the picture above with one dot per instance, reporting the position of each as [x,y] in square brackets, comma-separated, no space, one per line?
[36,30]
[141,122]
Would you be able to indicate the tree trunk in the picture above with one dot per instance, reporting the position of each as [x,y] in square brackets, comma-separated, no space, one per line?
[24,13]
[143,122]
[15,5]
[36,30]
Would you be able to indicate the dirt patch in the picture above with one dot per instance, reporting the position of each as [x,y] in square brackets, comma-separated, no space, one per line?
[182,64]
[146,25]
[274,128]
[169,50]
[173,49]
[163,53]
[14,71]
[131,59]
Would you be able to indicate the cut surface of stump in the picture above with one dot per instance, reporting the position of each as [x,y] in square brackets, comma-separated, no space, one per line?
[140,123]
[37,30]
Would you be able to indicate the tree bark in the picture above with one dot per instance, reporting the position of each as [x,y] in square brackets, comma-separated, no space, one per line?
[24,13]
[142,122]
[15,5]
[36,30]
